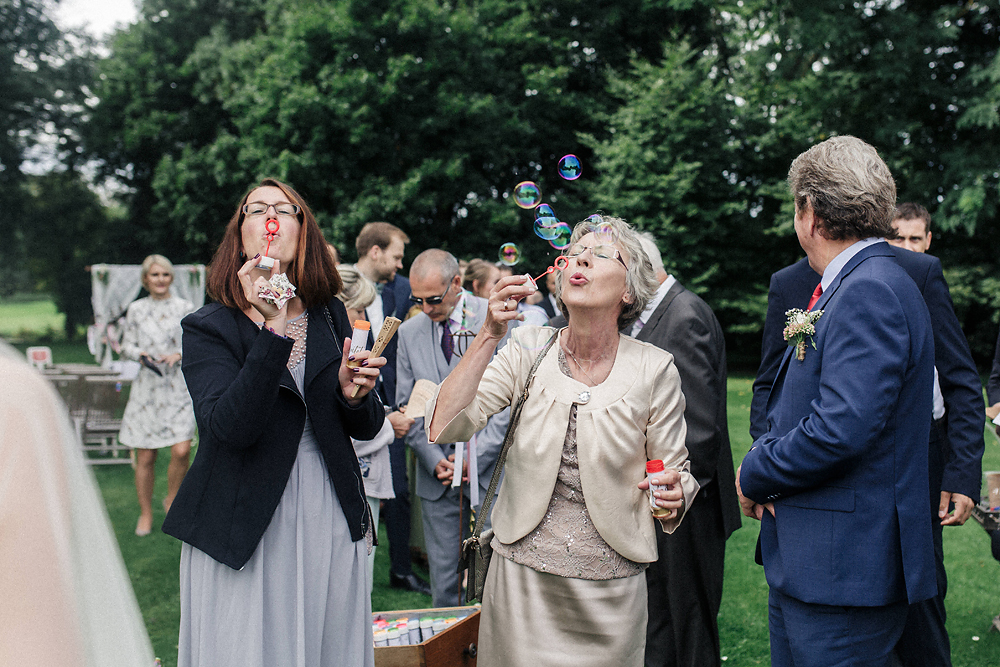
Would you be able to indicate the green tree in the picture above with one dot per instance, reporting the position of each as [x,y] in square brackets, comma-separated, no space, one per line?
[422,113]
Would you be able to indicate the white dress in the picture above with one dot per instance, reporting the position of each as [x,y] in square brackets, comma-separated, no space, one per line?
[159,412]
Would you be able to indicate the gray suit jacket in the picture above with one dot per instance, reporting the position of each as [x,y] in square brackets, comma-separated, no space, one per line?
[685,326]
[419,357]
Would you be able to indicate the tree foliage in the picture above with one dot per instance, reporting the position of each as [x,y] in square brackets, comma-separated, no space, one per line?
[686,114]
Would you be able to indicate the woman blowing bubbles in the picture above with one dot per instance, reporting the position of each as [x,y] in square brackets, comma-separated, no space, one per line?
[276,528]
[574,529]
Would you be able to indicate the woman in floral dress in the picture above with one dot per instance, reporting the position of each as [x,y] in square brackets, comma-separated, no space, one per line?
[159,412]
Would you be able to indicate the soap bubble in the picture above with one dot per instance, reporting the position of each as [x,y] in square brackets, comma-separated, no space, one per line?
[563,233]
[604,232]
[509,254]
[527,194]
[544,211]
[546,228]
[570,167]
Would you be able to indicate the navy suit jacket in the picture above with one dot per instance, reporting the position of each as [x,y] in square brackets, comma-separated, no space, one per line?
[842,458]
[395,302]
[792,287]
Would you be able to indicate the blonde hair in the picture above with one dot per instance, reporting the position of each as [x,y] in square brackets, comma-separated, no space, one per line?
[147,265]
[358,292]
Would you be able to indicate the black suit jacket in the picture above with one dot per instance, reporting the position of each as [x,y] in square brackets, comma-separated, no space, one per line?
[685,326]
[395,302]
[792,287]
[250,420]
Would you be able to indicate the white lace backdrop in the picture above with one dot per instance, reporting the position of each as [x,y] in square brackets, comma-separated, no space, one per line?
[115,286]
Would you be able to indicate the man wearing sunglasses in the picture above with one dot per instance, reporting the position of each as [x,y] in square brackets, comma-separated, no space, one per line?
[430,346]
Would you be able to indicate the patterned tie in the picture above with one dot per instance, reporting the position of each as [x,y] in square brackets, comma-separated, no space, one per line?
[447,345]
[817,293]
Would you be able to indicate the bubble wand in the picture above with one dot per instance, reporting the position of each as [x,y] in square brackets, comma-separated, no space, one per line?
[272,226]
[560,263]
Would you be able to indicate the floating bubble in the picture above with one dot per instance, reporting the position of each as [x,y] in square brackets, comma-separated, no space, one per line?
[509,254]
[546,228]
[562,236]
[544,211]
[603,231]
[570,167]
[527,194]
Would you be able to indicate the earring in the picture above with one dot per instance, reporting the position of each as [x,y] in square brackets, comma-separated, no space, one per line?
[242,255]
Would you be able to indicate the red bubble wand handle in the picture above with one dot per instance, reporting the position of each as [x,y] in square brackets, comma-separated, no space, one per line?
[561,263]
[271,232]
[271,226]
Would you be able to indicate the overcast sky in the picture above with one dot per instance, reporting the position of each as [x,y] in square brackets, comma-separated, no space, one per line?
[98,16]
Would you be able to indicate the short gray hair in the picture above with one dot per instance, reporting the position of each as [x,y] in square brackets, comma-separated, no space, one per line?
[435,259]
[849,187]
[640,281]
[652,251]
[358,292]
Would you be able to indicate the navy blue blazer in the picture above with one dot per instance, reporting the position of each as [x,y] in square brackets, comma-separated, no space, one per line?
[792,286]
[841,458]
[250,419]
[395,302]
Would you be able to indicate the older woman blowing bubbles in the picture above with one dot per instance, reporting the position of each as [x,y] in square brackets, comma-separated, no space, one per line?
[574,528]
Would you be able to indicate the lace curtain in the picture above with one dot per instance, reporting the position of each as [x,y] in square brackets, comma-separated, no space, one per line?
[115,286]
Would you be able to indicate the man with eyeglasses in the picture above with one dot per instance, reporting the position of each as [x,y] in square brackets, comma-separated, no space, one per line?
[430,346]
[380,247]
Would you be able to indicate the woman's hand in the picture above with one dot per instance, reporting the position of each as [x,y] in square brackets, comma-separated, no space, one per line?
[274,317]
[503,304]
[170,359]
[672,497]
[363,377]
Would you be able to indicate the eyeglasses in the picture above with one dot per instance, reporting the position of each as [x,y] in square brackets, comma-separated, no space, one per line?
[602,251]
[431,300]
[258,208]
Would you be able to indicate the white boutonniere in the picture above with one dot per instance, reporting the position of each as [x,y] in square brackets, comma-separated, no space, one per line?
[800,325]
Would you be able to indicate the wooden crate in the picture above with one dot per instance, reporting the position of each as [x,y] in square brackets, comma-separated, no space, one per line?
[455,647]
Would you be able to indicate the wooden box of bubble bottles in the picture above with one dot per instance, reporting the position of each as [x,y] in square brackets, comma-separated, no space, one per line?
[443,637]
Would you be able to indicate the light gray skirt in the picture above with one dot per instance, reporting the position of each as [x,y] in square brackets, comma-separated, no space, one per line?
[531,618]
[301,601]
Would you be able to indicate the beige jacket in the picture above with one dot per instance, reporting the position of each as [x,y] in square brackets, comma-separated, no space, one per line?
[634,415]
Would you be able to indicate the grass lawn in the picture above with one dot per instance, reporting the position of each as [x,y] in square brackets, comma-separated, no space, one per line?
[18,317]
[973,594]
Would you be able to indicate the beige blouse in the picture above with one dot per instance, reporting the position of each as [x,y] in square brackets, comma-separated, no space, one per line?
[636,414]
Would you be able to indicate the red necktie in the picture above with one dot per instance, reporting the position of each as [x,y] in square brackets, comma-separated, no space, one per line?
[817,293]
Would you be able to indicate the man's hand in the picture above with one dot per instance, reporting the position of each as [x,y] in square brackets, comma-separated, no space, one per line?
[963,508]
[445,470]
[749,507]
[400,423]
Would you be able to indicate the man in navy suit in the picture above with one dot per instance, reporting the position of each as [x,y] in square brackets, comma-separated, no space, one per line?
[839,477]
[956,445]
[380,247]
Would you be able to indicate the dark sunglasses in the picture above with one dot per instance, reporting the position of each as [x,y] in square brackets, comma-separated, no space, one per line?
[431,300]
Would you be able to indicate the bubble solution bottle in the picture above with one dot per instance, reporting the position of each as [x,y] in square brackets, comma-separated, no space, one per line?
[653,468]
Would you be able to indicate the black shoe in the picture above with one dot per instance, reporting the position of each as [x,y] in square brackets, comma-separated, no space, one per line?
[410,582]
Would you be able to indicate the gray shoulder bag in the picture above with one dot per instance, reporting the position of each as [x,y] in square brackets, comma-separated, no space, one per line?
[476,550]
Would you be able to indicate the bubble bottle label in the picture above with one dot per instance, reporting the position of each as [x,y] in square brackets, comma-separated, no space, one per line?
[654,468]
[359,340]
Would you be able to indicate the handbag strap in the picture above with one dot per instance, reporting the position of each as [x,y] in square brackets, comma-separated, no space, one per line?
[508,439]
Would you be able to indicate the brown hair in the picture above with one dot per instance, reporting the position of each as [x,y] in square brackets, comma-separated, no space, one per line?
[478,270]
[312,272]
[378,234]
[910,211]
